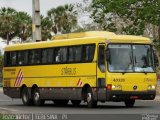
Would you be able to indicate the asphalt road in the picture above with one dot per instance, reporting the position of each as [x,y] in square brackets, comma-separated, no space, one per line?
[110,110]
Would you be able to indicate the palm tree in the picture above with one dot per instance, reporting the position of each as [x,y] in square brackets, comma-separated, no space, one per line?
[46,28]
[7,26]
[23,23]
[64,18]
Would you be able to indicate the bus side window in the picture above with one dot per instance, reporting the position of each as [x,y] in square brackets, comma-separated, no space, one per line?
[78,53]
[13,58]
[63,54]
[7,59]
[57,55]
[20,57]
[50,54]
[37,56]
[25,57]
[31,57]
[71,54]
[101,59]
[44,56]
[88,53]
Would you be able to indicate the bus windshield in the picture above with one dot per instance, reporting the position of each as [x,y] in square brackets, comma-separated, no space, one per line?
[130,58]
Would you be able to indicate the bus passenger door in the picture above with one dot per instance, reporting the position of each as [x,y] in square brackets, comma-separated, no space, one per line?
[101,68]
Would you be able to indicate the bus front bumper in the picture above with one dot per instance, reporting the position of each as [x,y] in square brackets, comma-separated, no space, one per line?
[118,96]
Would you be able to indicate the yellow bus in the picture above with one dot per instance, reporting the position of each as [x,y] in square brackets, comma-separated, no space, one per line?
[90,67]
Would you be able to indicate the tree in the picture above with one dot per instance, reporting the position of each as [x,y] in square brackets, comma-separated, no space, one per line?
[64,18]
[7,26]
[23,23]
[46,28]
[133,15]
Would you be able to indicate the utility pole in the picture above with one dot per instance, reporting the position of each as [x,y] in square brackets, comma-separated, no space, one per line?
[36,21]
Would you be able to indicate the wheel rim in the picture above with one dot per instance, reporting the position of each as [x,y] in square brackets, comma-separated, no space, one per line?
[36,96]
[89,97]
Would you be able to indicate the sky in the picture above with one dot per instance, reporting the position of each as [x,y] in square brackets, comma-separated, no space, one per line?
[26,5]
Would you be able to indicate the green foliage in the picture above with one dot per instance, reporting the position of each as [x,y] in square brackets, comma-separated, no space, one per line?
[14,24]
[64,18]
[134,14]
[46,28]
[7,26]
[23,23]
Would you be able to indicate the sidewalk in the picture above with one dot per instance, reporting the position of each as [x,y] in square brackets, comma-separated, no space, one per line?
[1,89]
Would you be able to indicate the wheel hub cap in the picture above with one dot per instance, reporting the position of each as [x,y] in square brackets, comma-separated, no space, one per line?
[36,96]
[89,97]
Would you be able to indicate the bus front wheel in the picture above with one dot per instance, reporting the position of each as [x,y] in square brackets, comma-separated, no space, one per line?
[129,103]
[25,96]
[37,98]
[90,99]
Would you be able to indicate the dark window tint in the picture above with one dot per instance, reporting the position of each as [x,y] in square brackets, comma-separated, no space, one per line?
[71,54]
[22,57]
[89,52]
[101,59]
[78,53]
[63,54]
[7,59]
[34,56]
[13,58]
[47,56]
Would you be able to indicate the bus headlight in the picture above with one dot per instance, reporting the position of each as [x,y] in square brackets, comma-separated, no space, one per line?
[151,87]
[116,87]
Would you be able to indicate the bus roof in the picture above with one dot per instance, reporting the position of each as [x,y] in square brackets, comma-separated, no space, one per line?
[81,38]
[83,34]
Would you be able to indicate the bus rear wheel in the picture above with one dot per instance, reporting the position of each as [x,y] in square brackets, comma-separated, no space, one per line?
[76,102]
[25,97]
[90,99]
[37,98]
[129,103]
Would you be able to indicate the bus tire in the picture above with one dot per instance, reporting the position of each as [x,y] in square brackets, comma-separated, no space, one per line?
[129,103]
[25,97]
[76,102]
[37,98]
[90,99]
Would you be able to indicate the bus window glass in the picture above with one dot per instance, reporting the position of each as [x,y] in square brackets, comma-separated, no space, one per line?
[37,56]
[57,55]
[25,57]
[50,54]
[47,56]
[13,58]
[120,58]
[63,54]
[71,54]
[101,59]
[89,52]
[78,53]
[7,59]
[20,57]
[143,58]
[31,56]
[44,56]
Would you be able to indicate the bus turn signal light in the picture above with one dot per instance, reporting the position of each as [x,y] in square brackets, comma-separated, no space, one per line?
[109,87]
